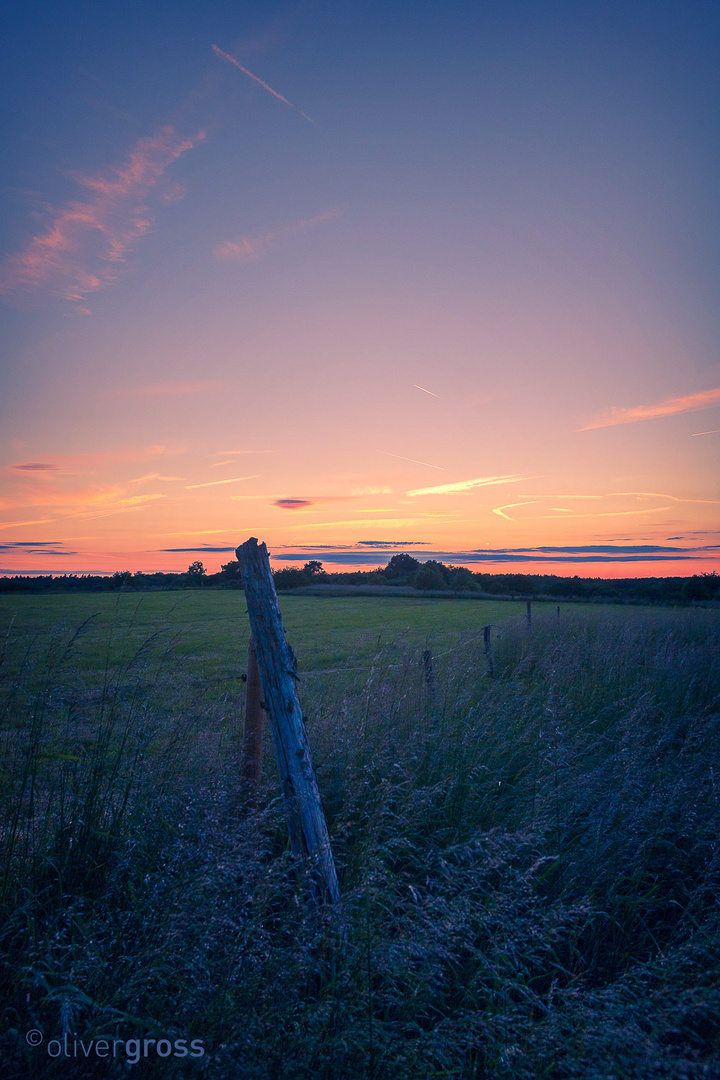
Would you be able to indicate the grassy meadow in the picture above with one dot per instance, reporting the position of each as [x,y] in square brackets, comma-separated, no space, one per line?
[529,864]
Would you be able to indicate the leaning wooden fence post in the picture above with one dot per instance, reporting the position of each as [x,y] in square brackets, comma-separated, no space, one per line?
[309,836]
[489,652]
[252,744]
[431,685]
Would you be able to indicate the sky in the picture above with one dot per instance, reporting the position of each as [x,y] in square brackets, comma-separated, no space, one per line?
[357,278]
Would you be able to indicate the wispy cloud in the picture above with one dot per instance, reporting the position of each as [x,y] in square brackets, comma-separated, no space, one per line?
[247,248]
[690,403]
[100,458]
[205,548]
[398,523]
[195,532]
[234,453]
[216,483]
[292,504]
[21,524]
[9,545]
[607,499]
[87,240]
[661,495]
[77,500]
[392,543]
[153,476]
[314,500]
[500,510]
[231,60]
[581,554]
[467,485]
[35,466]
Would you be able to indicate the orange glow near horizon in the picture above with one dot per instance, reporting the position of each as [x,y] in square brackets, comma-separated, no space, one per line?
[468,311]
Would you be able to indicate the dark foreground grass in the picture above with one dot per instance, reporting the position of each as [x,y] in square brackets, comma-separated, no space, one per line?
[529,866]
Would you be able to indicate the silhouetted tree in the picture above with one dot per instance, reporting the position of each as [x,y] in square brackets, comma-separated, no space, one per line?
[702,587]
[314,568]
[459,577]
[401,566]
[195,573]
[290,577]
[430,576]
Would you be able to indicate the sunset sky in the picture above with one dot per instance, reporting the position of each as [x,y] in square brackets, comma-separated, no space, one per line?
[361,277]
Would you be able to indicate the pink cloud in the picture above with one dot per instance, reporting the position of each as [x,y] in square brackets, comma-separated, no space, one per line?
[690,403]
[88,239]
[247,248]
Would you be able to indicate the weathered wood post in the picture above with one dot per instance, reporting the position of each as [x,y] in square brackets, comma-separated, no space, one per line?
[431,685]
[252,745]
[528,616]
[489,652]
[309,837]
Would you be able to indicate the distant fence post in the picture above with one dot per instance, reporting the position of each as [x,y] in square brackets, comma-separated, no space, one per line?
[489,652]
[252,744]
[276,661]
[528,616]
[427,663]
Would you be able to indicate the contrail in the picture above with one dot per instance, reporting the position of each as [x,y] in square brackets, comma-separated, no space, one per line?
[215,483]
[231,60]
[414,460]
[418,387]
[499,510]
[467,485]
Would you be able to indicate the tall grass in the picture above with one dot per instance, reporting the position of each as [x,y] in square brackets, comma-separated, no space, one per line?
[529,864]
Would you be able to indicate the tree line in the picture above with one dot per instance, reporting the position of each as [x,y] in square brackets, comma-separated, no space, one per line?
[401,570]
[405,570]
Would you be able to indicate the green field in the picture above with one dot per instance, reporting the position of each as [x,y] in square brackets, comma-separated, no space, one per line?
[208,630]
[529,864]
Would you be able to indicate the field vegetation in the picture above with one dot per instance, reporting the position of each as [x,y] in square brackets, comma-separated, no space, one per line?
[529,864]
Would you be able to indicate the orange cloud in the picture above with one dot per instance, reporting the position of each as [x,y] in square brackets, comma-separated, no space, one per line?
[247,248]
[13,524]
[690,403]
[87,240]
